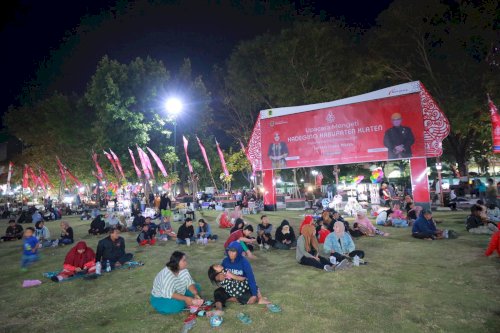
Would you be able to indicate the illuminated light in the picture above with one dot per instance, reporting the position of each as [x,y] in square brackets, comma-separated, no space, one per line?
[173,106]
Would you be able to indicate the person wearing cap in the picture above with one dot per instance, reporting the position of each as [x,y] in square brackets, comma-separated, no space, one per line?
[398,139]
[425,228]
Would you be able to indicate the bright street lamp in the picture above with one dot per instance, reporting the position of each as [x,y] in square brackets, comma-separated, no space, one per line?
[174,107]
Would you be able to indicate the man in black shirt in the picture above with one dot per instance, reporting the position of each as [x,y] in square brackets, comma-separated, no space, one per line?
[112,248]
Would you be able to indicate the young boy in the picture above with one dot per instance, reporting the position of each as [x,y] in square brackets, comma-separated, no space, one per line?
[146,237]
[30,249]
[264,230]
[244,237]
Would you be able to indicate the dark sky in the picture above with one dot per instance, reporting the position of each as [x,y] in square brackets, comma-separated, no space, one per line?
[204,31]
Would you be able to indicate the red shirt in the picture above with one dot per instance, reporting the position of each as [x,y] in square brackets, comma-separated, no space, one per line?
[494,244]
[234,237]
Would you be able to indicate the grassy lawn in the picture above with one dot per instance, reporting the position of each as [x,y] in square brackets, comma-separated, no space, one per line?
[408,286]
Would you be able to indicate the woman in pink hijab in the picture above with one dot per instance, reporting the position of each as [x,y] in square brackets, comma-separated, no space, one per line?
[363,224]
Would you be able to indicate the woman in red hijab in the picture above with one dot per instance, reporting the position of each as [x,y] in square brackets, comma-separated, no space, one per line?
[307,220]
[79,260]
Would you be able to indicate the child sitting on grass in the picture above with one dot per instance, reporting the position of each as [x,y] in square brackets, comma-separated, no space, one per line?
[165,229]
[146,237]
[30,249]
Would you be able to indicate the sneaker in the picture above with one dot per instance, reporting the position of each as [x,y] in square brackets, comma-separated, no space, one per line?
[445,233]
[267,247]
[329,268]
[333,260]
[55,278]
[342,265]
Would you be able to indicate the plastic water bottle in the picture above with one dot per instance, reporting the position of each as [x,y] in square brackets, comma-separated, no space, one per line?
[108,266]
[356,261]
[205,241]
[188,242]
[98,268]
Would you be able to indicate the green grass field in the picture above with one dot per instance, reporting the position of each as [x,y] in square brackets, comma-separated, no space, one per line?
[408,286]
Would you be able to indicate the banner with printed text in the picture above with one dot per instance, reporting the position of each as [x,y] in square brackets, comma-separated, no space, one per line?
[375,130]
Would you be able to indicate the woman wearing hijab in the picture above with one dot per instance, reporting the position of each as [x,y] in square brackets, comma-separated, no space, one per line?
[307,220]
[97,226]
[365,227]
[340,245]
[79,260]
[285,237]
[307,252]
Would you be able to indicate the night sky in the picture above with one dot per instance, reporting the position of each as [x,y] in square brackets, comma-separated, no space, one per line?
[204,31]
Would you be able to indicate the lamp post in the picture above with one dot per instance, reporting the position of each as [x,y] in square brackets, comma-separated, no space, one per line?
[439,167]
[174,107]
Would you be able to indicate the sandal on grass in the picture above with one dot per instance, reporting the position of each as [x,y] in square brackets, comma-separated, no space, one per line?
[275,308]
[245,319]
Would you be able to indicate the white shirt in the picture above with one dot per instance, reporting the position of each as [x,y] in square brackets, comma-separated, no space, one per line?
[167,283]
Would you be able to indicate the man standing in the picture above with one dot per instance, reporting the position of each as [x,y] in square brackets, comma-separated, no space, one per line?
[398,139]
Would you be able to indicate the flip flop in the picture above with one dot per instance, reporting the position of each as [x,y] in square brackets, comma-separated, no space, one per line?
[275,308]
[216,321]
[245,319]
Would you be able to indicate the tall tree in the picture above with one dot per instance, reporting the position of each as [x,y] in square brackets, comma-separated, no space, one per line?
[309,63]
[50,127]
[453,48]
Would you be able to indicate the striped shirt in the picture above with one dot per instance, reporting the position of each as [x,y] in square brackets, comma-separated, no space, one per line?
[167,283]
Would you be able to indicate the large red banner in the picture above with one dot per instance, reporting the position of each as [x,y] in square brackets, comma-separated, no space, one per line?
[495,126]
[376,130]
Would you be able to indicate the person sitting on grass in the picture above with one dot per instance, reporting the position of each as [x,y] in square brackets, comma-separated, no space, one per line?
[425,228]
[112,248]
[30,249]
[43,234]
[238,225]
[223,220]
[336,217]
[165,229]
[204,231]
[232,288]
[323,232]
[412,213]
[66,237]
[339,244]
[13,232]
[146,237]
[173,288]
[494,245]
[307,252]
[79,260]
[477,224]
[244,237]
[264,229]
[185,234]
[384,218]
[138,222]
[152,226]
[97,226]
[285,237]
[308,219]
[398,220]
[324,221]
[238,267]
[364,226]
[493,213]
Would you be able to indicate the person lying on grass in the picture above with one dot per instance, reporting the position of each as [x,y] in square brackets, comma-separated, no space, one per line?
[112,248]
[79,260]
[339,244]
[244,238]
[425,228]
[173,288]
[307,252]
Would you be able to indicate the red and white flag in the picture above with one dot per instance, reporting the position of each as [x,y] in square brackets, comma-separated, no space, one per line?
[222,160]
[73,178]
[99,174]
[117,161]
[187,156]
[146,163]
[9,175]
[495,126]
[137,170]
[248,157]
[204,152]
[45,177]
[26,181]
[112,161]
[62,169]
[158,162]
